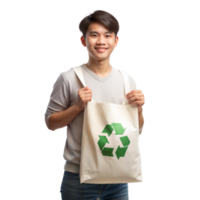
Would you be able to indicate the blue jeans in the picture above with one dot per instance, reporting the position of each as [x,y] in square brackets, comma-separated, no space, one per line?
[71,189]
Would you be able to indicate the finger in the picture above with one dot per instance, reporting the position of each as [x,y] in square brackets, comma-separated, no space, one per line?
[139,93]
[134,103]
[129,93]
[133,99]
[140,103]
[136,91]
[136,98]
[87,88]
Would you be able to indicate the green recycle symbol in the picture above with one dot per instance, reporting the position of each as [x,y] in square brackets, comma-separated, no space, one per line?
[119,130]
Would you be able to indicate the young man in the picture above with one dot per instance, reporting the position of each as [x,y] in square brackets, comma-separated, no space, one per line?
[69,97]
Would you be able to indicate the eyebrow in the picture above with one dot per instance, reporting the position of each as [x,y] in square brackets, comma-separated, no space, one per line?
[97,32]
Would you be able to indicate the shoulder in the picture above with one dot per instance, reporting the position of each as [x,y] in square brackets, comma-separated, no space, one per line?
[68,76]
[131,81]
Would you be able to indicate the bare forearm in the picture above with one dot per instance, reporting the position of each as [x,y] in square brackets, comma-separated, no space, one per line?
[62,119]
[140,117]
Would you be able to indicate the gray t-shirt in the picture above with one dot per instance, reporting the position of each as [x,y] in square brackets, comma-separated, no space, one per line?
[109,89]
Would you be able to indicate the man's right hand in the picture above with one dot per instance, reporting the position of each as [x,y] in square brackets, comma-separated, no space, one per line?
[84,95]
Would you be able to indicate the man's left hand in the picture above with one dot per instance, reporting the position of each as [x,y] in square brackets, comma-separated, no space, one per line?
[136,97]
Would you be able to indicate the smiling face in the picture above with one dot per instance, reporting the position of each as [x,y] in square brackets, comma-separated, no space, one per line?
[99,41]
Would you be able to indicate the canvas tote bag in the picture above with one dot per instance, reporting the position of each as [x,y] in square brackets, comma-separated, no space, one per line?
[109,148]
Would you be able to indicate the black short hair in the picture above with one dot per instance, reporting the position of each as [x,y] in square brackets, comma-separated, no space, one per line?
[102,17]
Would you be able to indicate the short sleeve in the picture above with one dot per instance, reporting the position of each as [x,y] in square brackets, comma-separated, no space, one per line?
[59,98]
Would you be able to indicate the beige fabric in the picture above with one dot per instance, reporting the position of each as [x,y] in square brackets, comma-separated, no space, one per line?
[122,121]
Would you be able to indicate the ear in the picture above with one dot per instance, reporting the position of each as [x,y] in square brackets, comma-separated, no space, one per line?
[116,40]
[83,41]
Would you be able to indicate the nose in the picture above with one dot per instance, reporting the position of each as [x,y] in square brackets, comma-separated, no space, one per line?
[100,40]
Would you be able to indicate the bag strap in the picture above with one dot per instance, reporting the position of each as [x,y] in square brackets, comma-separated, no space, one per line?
[79,73]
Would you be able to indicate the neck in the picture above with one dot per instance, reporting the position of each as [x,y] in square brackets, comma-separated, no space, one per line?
[101,67]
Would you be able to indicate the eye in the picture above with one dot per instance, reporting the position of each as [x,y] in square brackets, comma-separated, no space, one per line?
[93,35]
[108,35]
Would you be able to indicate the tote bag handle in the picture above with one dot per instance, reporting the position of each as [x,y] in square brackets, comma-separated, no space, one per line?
[79,73]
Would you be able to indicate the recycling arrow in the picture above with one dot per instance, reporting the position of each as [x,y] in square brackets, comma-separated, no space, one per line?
[121,151]
[108,129]
[119,130]
[102,142]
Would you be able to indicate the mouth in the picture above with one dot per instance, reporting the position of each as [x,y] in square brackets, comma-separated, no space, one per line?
[101,50]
